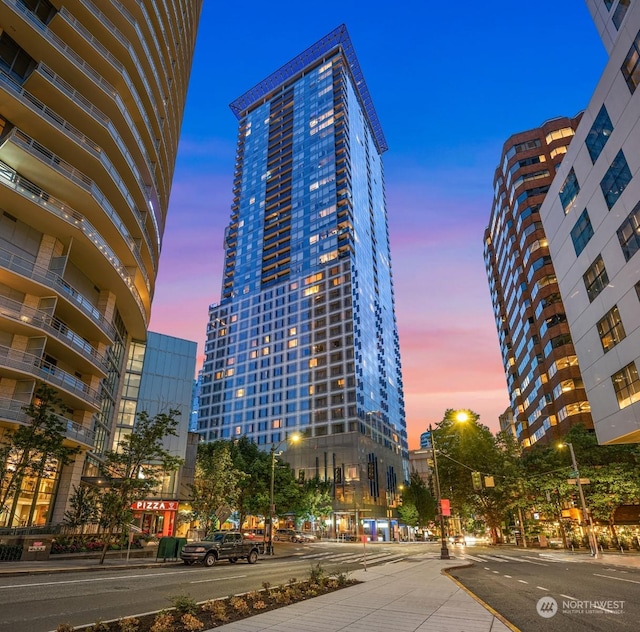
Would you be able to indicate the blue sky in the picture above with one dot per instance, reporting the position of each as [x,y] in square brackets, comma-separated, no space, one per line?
[450,84]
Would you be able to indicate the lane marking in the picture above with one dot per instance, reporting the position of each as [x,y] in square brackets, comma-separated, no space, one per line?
[96,579]
[486,568]
[522,581]
[216,579]
[509,576]
[542,588]
[620,579]
[569,597]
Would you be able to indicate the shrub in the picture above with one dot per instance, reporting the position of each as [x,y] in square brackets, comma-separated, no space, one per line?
[99,626]
[130,624]
[184,604]
[217,608]
[191,623]
[163,622]
[65,627]
[239,605]
[258,604]
[316,574]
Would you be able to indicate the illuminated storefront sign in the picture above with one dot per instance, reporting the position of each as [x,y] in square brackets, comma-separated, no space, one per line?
[155,505]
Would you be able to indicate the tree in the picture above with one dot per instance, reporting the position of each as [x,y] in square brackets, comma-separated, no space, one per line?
[418,505]
[134,469]
[316,498]
[83,507]
[34,450]
[217,482]
[465,447]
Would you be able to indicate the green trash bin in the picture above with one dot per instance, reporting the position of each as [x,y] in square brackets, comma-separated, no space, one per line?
[166,549]
[180,542]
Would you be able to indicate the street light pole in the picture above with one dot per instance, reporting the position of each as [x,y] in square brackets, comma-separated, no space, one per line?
[586,516]
[444,550]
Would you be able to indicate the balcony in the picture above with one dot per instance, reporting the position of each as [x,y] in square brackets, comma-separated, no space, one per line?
[26,363]
[10,179]
[28,317]
[11,411]
[43,276]
[19,148]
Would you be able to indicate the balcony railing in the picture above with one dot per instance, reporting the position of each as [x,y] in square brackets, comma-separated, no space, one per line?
[12,410]
[53,326]
[29,190]
[54,281]
[32,146]
[47,372]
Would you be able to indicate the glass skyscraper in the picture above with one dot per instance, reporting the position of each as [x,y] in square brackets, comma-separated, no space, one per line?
[304,337]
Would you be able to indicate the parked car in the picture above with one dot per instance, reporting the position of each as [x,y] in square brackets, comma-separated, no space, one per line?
[286,535]
[221,545]
[305,536]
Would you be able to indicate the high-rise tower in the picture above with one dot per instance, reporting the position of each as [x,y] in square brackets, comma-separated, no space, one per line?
[304,337]
[543,377]
[91,102]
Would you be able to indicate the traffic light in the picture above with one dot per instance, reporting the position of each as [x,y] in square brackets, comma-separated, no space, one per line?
[476,481]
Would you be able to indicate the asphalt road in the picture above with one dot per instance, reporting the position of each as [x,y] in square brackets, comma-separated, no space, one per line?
[38,603]
[523,585]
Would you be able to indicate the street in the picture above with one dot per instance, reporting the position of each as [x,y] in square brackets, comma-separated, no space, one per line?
[588,596]
[38,603]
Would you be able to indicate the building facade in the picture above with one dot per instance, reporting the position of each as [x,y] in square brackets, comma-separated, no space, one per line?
[592,217]
[91,103]
[304,337]
[159,378]
[544,383]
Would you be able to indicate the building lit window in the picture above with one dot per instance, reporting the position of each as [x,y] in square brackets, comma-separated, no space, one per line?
[610,329]
[558,151]
[615,180]
[240,392]
[582,232]
[565,132]
[631,65]
[292,343]
[626,385]
[569,191]
[599,134]
[629,233]
[595,278]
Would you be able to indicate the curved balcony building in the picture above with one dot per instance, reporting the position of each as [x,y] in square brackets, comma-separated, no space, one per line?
[91,102]
[543,377]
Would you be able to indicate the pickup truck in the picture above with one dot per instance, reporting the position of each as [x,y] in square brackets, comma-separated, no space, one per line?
[220,545]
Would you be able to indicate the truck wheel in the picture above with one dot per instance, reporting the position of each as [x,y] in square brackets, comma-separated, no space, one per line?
[252,558]
[209,560]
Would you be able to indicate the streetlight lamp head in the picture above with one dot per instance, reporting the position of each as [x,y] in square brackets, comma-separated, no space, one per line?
[295,437]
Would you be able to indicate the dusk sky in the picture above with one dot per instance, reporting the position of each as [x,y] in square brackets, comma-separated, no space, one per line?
[450,84]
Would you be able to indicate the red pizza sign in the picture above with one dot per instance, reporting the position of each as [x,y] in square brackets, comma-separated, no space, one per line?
[155,505]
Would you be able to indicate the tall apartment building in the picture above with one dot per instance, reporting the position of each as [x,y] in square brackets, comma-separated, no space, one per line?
[592,218]
[545,387]
[304,337]
[91,102]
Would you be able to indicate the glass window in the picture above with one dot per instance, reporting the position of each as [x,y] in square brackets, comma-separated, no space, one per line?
[626,385]
[595,278]
[582,232]
[619,13]
[615,180]
[608,4]
[610,329]
[631,65]
[629,233]
[599,134]
[569,190]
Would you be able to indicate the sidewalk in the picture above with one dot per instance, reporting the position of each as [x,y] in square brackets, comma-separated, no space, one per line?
[412,595]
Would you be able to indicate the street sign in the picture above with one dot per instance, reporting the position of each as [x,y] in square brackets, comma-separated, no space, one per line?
[445,507]
[573,473]
[574,481]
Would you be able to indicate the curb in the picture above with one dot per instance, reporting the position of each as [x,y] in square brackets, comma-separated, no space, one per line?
[484,604]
